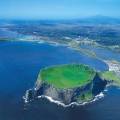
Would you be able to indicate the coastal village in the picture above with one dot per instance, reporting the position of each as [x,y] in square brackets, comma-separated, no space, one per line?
[113,66]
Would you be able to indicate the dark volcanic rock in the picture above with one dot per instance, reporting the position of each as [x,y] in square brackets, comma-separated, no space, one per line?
[98,85]
[66,96]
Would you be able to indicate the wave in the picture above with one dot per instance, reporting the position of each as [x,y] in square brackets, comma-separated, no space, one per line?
[97,97]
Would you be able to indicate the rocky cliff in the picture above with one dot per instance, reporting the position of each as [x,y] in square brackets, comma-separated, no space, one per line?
[67,96]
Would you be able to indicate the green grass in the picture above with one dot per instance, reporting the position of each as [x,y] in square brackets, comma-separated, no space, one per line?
[111,75]
[86,96]
[67,76]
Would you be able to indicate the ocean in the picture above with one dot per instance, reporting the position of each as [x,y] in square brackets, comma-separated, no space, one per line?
[20,63]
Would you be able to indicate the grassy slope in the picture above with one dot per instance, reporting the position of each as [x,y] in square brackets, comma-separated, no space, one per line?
[67,76]
[111,75]
[86,96]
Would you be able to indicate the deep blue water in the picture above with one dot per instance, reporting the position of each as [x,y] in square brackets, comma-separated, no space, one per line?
[20,63]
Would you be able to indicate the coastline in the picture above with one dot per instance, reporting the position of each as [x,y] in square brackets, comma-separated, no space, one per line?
[97,97]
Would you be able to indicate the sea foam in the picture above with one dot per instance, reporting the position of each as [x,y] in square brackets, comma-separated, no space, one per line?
[97,97]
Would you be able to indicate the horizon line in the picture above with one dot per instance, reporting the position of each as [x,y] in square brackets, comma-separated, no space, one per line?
[55,19]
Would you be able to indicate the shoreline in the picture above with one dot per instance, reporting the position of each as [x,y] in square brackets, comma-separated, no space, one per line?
[81,51]
[50,99]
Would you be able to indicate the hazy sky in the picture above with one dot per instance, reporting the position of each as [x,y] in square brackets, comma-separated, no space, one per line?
[54,9]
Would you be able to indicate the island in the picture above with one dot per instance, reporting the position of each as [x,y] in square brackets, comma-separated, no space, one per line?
[69,83]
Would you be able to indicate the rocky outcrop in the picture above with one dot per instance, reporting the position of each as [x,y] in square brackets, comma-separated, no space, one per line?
[66,96]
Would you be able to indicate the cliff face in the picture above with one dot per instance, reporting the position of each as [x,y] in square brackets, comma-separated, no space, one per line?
[67,96]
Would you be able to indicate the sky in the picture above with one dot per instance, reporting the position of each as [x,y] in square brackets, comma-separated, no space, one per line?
[58,9]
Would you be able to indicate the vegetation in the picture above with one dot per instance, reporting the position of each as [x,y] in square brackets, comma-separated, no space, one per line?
[111,75]
[67,76]
[86,96]
[103,34]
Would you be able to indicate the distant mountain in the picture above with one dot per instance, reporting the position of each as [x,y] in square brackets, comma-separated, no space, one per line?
[98,19]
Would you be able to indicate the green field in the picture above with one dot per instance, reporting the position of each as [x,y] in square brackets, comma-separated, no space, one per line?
[67,76]
[111,75]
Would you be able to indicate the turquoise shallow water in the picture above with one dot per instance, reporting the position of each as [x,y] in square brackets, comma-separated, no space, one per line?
[20,63]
